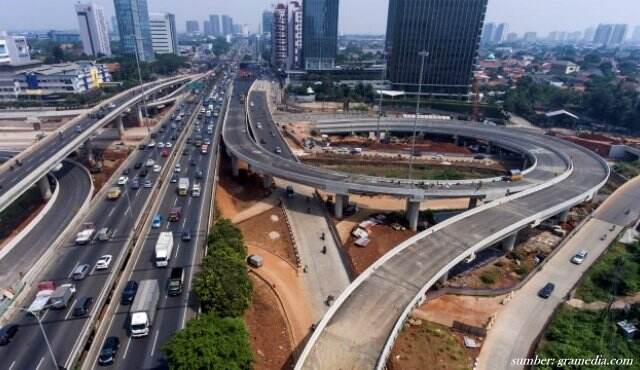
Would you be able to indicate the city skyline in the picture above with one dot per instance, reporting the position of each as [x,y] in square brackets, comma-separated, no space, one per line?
[521,15]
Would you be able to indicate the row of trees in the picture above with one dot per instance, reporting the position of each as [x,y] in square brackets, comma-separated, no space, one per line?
[218,339]
[328,90]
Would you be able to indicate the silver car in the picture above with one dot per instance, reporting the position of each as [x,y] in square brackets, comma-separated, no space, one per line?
[80,272]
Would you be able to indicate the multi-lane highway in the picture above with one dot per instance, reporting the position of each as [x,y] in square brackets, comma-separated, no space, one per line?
[28,349]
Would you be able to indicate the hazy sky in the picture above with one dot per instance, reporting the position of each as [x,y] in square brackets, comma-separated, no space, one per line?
[356,16]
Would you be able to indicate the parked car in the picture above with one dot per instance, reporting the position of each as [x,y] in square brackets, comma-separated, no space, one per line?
[129,292]
[104,262]
[80,272]
[109,351]
[546,291]
[7,333]
[579,257]
[83,306]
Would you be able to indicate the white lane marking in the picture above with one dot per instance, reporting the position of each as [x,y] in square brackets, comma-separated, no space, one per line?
[155,341]
[175,201]
[111,212]
[189,202]
[66,317]
[177,249]
[72,270]
[113,233]
[184,222]
[12,365]
[39,363]
[126,349]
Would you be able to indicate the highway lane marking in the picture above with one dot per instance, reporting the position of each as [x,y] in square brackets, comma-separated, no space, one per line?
[40,363]
[111,212]
[126,349]
[155,341]
[175,201]
[177,249]
[189,202]
[12,365]
[66,317]
[72,270]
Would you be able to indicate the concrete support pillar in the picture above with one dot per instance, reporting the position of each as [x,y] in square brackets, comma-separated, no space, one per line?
[342,200]
[509,243]
[88,149]
[443,279]
[473,202]
[235,166]
[563,216]
[412,213]
[45,187]
[525,162]
[267,181]
[140,115]
[120,126]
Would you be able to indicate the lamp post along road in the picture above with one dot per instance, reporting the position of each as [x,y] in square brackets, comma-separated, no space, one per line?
[44,334]
[384,72]
[423,55]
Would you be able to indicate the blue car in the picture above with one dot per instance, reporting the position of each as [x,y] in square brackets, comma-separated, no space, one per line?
[157,222]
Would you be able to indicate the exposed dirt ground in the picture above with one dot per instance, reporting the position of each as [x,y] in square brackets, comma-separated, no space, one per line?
[268,333]
[269,231]
[446,309]
[430,346]
[383,203]
[234,195]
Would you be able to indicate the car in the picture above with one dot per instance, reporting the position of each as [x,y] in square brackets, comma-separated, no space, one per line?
[143,173]
[177,169]
[278,150]
[160,145]
[147,184]
[185,152]
[109,351]
[272,133]
[207,141]
[192,162]
[199,173]
[7,333]
[151,144]
[80,272]
[262,141]
[78,128]
[149,163]
[123,180]
[83,306]
[546,290]
[104,262]
[156,168]
[138,165]
[129,292]
[174,179]
[579,257]
[164,152]
[189,140]
[168,145]
[126,171]
[157,221]
[111,106]
[142,147]
[186,236]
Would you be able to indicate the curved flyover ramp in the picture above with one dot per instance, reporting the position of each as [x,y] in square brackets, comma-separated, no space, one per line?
[359,329]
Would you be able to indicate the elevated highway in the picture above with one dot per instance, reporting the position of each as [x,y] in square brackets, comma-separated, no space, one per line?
[359,329]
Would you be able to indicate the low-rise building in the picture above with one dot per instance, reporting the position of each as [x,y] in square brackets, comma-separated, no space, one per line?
[563,67]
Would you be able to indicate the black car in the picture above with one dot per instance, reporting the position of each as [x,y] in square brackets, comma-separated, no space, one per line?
[7,333]
[138,165]
[125,172]
[199,173]
[546,291]
[186,236]
[109,351]
[143,173]
[129,292]
[83,306]
[142,147]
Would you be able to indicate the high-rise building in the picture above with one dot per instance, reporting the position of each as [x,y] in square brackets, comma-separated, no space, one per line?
[13,49]
[237,29]
[113,25]
[227,25]
[294,35]
[589,34]
[530,36]
[279,36]
[635,37]
[214,23]
[267,19]
[192,27]
[574,36]
[207,28]
[500,33]
[610,35]
[133,26]
[319,34]
[93,29]
[164,36]
[448,31]
[618,34]
[511,37]
[487,32]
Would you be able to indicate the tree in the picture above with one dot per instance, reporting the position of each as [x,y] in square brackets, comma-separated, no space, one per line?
[210,342]
[166,64]
[225,230]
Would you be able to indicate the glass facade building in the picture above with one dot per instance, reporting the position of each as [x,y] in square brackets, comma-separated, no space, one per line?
[448,30]
[319,34]
[133,26]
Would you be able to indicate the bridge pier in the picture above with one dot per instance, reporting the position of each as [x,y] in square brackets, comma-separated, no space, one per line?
[341,201]
[412,213]
[120,126]
[140,115]
[443,279]
[45,187]
[88,150]
[473,202]
[509,242]
[235,166]
[563,216]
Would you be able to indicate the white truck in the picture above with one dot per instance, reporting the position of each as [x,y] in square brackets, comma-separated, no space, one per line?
[195,190]
[164,247]
[86,233]
[183,186]
[41,300]
[62,295]
[143,308]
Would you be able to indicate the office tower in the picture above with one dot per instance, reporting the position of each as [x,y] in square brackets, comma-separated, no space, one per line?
[279,36]
[93,29]
[610,35]
[589,34]
[192,27]
[487,32]
[294,35]
[499,33]
[114,25]
[511,37]
[448,31]
[133,26]
[227,25]
[237,29]
[574,36]
[164,36]
[207,28]
[319,34]
[530,36]
[267,18]
[618,35]
[635,38]
[562,36]
[13,49]
[214,21]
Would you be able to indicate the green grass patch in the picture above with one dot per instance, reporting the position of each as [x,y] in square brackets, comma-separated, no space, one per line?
[420,171]
[627,169]
[616,273]
[489,277]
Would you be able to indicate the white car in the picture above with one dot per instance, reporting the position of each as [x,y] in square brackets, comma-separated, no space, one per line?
[156,168]
[160,145]
[150,162]
[579,257]
[168,145]
[112,105]
[177,169]
[123,180]
[151,144]
[104,262]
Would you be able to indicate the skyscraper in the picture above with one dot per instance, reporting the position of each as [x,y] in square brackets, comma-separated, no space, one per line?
[133,26]
[267,19]
[93,29]
[635,38]
[610,35]
[294,35]
[499,33]
[448,31]
[279,36]
[618,35]
[487,32]
[113,27]
[589,33]
[530,36]
[207,28]
[164,36]
[227,25]
[192,27]
[214,23]
[319,34]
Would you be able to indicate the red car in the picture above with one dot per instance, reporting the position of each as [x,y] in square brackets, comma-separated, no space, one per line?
[164,153]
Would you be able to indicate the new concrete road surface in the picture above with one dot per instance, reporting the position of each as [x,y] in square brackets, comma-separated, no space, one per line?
[145,353]
[74,185]
[28,349]
[525,316]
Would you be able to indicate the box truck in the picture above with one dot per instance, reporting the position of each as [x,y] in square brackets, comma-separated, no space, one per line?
[143,308]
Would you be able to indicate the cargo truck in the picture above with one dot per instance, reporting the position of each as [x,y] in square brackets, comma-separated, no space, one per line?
[41,301]
[62,295]
[183,186]
[143,308]
[174,214]
[164,247]
[175,281]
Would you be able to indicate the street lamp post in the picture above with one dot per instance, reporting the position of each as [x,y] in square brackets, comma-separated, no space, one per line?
[423,55]
[44,334]
[384,73]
